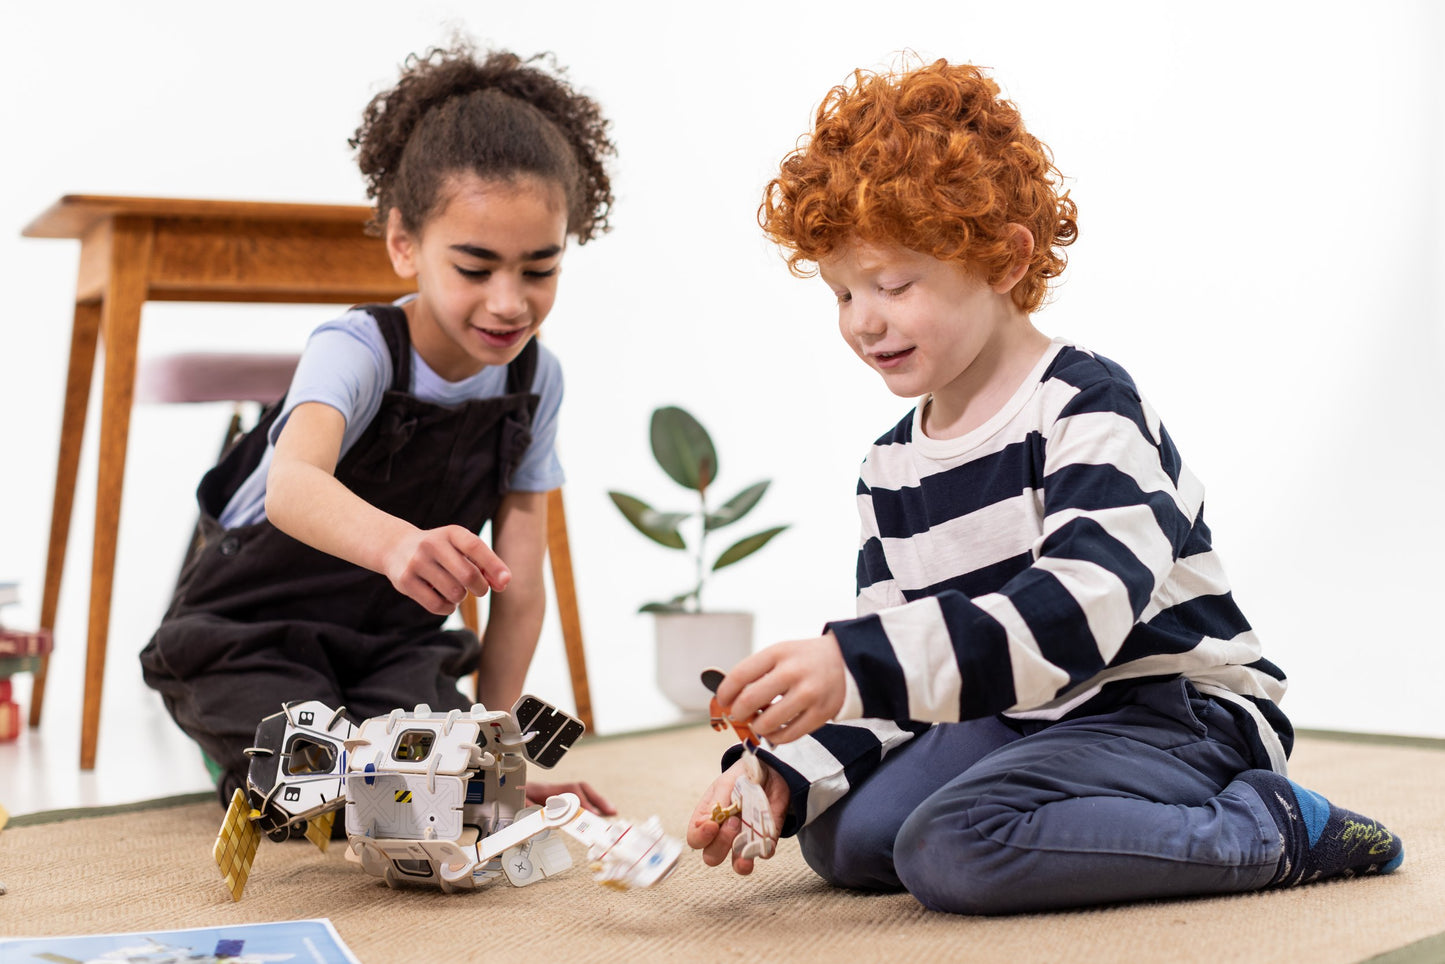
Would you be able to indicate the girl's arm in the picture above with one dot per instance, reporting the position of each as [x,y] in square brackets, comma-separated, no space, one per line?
[519,535]
[435,567]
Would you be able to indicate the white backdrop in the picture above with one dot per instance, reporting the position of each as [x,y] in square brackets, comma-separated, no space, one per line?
[1260,201]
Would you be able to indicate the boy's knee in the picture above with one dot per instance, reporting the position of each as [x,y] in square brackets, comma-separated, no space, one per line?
[849,853]
[948,865]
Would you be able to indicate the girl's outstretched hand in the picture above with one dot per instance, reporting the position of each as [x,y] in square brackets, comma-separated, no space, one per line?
[793,687]
[436,567]
[714,839]
[539,792]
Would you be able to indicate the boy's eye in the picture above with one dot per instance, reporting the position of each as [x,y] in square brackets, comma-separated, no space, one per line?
[541,272]
[475,273]
[843,296]
[895,292]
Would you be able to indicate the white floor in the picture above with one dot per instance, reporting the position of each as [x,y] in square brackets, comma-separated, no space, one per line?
[142,755]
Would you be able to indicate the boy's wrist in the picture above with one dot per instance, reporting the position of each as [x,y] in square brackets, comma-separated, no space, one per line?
[796,814]
[856,636]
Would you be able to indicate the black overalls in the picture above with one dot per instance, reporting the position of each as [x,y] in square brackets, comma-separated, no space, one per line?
[259,618]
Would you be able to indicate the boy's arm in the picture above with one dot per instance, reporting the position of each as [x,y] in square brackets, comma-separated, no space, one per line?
[305,500]
[514,621]
[1118,511]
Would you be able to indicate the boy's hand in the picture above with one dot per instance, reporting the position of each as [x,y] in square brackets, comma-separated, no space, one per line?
[798,685]
[436,567]
[716,840]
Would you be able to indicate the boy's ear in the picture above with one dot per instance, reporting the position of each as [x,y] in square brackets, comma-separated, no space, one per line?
[401,246]
[1022,240]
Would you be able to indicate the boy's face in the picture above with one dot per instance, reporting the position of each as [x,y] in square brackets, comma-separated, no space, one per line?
[921,323]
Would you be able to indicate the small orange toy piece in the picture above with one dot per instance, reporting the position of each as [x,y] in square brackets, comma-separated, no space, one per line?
[719,718]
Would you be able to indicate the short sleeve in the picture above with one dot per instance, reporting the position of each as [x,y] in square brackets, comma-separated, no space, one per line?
[345,365]
[540,469]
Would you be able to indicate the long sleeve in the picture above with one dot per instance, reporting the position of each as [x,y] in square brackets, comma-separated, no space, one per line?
[1028,567]
[1118,514]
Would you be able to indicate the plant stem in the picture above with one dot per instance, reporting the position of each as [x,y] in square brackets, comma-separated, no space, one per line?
[701,544]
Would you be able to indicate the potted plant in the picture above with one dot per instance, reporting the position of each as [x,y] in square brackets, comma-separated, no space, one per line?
[688,637]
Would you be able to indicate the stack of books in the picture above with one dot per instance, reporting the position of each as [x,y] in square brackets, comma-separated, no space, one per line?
[20,652]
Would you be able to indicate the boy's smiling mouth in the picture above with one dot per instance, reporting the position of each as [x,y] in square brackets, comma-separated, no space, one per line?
[890,359]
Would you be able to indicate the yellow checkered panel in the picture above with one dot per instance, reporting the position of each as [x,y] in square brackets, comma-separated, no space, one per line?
[236,844]
[318,829]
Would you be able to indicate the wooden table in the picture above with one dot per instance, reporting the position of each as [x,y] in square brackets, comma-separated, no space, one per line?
[134,250]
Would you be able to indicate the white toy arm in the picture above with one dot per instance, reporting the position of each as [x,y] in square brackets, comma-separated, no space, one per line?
[561,809]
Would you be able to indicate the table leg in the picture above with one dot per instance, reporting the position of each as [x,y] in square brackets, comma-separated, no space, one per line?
[83,334]
[559,551]
[120,332]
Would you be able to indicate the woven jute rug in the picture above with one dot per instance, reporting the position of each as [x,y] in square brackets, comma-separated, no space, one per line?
[149,868]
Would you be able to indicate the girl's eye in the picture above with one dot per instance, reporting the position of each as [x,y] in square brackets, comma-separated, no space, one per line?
[474,273]
[895,292]
[549,272]
[843,296]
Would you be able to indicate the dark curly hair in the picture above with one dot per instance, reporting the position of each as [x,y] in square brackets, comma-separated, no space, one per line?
[932,159]
[499,117]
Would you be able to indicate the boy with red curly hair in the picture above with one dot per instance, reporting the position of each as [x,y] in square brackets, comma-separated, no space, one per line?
[1049,697]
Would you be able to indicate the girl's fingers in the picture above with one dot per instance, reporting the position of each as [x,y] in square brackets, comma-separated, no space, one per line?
[490,570]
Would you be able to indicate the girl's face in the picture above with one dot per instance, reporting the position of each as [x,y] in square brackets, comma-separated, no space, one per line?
[486,265]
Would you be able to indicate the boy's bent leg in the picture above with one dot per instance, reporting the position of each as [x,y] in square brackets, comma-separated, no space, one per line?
[1138,803]
[851,843]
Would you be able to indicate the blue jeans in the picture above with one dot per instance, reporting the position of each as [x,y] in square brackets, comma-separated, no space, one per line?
[988,817]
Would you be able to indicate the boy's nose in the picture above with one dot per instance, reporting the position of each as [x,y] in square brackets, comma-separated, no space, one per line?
[864,320]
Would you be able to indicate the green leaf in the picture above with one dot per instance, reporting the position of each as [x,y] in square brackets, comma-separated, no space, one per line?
[660,527]
[736,507]
[667,607]
[683,448]
[745,547]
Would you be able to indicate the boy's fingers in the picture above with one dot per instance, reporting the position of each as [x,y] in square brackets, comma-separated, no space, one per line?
[701,831]
[740,676]
[721,846]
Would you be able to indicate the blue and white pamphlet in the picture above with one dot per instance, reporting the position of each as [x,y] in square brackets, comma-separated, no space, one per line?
[300,942]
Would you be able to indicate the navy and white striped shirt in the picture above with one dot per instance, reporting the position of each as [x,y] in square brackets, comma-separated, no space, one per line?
[1026,568]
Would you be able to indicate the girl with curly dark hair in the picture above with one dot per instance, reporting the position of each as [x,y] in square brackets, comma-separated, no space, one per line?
[338,536]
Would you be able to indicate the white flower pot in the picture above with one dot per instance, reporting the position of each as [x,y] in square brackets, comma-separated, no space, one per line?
[688,643]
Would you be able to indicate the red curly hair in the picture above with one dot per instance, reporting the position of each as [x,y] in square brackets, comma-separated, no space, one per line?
[932,159]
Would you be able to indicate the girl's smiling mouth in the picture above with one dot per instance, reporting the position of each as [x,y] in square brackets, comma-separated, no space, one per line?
[501,337]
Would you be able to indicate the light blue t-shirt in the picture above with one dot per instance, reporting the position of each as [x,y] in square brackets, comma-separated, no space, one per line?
[346,365]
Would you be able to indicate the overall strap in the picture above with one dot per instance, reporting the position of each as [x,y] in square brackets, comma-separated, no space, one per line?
[391,319]
[523,370]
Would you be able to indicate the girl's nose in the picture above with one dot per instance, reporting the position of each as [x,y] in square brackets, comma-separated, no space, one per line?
[504,297]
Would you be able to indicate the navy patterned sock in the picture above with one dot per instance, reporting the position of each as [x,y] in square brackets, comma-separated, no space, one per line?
[1320,839]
